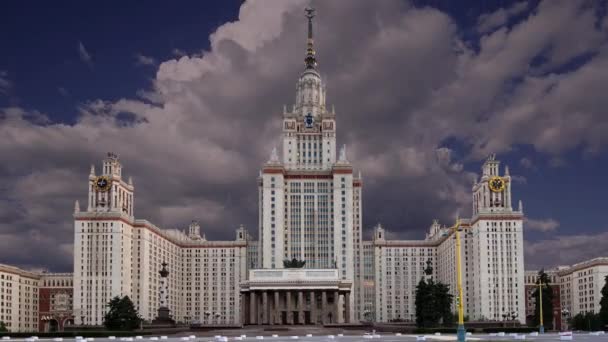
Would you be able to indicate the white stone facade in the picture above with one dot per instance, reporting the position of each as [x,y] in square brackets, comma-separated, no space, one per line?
[310,208]
[310,201]
[491,251]
[19,298]
[118,255]
[581,285]
[20,301]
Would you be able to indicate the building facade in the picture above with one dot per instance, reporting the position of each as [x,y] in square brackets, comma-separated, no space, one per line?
[295,296]
[116,254]
[491,251]
[531,279]
[310,209]
[577,289]
[581,286]
[19,298]
[55,301]
[309,200]
[35,301]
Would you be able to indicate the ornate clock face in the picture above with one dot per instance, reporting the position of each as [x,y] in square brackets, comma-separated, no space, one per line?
[496,184]
[102,183]
[309,120]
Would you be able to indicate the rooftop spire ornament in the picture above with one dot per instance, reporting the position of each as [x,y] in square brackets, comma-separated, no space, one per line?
[310,60]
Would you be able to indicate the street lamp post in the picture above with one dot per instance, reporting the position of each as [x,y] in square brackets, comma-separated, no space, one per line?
[565,315]
[460,332]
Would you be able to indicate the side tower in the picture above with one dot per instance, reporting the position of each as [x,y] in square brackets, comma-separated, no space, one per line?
[497,247]
[108,192]
[103,243]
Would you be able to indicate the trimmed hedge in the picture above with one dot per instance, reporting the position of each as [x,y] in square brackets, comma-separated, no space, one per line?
[475,330]
[510,329]
[434,330]
[72,334]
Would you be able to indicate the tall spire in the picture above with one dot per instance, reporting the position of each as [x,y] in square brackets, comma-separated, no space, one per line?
[310,60]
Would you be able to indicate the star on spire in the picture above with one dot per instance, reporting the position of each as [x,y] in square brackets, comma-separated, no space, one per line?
[310,60]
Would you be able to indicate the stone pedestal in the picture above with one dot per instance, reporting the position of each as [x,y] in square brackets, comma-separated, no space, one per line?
[164,317]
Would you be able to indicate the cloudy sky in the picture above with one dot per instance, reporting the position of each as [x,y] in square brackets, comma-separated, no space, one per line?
[190,98]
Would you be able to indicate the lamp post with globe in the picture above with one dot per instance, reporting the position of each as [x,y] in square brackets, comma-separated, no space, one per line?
[460,332]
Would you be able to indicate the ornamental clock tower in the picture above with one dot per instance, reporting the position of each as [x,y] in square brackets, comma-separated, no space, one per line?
[496,238]
[108,192]
[492,194]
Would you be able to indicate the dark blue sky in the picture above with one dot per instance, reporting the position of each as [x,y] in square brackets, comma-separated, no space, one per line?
[48,72]
[41,47]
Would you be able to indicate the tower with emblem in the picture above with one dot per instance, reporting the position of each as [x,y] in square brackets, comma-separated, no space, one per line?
[310,199]
[496,241]
[108,192]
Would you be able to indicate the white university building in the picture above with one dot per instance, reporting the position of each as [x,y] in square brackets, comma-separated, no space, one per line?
[310,209]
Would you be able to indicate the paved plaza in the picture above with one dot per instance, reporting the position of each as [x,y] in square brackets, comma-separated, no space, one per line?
[583,336]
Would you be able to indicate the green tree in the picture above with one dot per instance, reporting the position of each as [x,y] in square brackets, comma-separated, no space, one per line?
[122,315]
[543,278]
[604,304]
[433,302]
[293,263]
[443,303]
[3,327]
[587,321]
[423,304]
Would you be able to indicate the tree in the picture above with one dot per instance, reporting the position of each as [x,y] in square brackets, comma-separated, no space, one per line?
[587,321]
[433,302]
[122,315]
[3,327]
[293,263]
[443,303]
[543,278]
[604,304]
[424,304]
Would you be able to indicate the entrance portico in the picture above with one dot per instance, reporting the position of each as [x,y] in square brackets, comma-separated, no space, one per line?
[295,296]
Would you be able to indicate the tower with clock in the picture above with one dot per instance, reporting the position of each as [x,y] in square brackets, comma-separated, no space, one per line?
[309,128]
[496,239]
[492,194]
[108,192]
[310,199]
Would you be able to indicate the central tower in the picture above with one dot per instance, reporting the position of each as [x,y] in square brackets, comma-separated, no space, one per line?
[309,200]
[309,129]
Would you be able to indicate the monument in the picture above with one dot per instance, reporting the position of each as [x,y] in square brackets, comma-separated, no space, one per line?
[164,313]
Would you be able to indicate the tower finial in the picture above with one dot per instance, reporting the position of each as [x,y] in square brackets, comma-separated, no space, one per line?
[310,60]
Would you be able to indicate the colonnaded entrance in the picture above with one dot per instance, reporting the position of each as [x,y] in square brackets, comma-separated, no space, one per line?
[295,296]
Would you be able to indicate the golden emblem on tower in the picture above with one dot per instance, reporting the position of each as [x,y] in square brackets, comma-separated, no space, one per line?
[102,183]
[497,184]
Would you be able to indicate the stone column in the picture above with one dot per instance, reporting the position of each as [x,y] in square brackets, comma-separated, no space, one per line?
[270,308]
[339,304]
[277,308]
[244,308]
[313,307]
[252,307]
[347,307]
[335,315]
[300,307]
[265,307]
[324,307]
[288,306]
